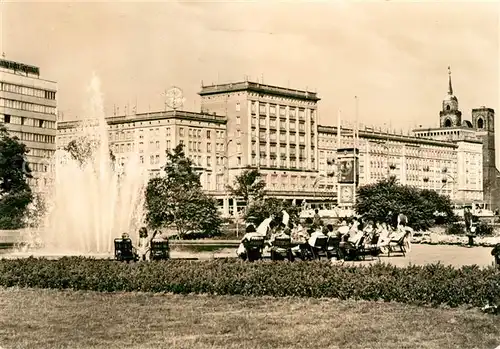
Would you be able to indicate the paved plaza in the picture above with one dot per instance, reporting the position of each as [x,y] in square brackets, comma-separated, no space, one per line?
[420,254]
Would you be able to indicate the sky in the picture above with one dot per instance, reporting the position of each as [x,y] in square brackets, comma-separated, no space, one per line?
[393,55]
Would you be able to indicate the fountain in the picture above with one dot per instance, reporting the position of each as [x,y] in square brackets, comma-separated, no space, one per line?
[90,203]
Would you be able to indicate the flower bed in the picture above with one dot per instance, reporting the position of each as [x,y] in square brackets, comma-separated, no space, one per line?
[430,284]
[443,239]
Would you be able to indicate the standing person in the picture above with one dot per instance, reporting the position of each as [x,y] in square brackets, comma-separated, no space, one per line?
[468,220]
[316,219]
[144,243]
[496,255]
[402,221]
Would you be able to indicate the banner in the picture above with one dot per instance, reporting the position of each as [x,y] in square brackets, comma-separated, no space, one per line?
[347,171]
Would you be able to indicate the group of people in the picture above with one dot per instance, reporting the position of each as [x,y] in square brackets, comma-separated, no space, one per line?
[305,232]
[143,247]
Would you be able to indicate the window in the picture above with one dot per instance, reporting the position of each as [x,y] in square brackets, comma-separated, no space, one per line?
[208,134]
[238,120]
[6,119]
[272,110]
[238,106]
[209,147]
[181,131]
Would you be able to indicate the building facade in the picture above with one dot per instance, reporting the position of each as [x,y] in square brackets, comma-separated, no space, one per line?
[151,136]
[481,130]
[28,109]
[275,130]
[453,169]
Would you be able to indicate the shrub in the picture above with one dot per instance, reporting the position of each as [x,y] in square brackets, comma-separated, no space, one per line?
[455,228]
[484,229]
[433,284]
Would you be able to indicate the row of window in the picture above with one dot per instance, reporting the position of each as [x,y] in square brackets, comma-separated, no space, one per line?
[25,121]
[28,91]
[273,123]
[192,132]
[155,145]
[275,110]
[208,133]
[36,167]
[43,153]
[275,163]
[33,137]
[13,104]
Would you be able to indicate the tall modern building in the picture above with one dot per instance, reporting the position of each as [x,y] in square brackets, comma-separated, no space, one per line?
[270,128]
[28,109]
[275,130]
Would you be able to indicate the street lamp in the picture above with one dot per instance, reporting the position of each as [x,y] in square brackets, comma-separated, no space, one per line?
[445,181]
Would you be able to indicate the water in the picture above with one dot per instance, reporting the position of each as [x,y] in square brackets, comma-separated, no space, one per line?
[90,204]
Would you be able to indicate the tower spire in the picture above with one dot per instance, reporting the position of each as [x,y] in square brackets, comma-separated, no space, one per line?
[450,87]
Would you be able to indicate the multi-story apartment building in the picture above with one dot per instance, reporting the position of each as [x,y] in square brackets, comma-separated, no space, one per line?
[450,168]
[251,125]
[273,129]
[151,136]
[28,109]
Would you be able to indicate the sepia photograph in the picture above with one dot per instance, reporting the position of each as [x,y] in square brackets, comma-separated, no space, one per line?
[249,174]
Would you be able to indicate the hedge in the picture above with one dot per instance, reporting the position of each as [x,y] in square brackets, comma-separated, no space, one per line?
[433,284]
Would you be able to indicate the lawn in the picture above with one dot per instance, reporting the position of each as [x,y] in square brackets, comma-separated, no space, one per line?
[31,318]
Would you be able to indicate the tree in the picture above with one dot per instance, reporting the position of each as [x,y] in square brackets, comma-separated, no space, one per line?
[440,204]
[15,192]
[177,199]
[385,199]
[249,186]
[83,148]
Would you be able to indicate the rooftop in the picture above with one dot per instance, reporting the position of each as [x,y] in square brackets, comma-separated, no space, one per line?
[259,88]
[370,133]
[18,67]
[170,114]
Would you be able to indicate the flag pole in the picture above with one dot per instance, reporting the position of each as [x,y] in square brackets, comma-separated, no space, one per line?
[339,128]
[355,135]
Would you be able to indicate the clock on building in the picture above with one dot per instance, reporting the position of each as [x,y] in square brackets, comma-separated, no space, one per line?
[174,98]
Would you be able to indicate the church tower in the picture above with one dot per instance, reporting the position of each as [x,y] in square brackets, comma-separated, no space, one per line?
[450,116]
[483,121]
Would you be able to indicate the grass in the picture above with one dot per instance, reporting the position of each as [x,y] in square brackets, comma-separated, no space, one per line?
[31,318]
